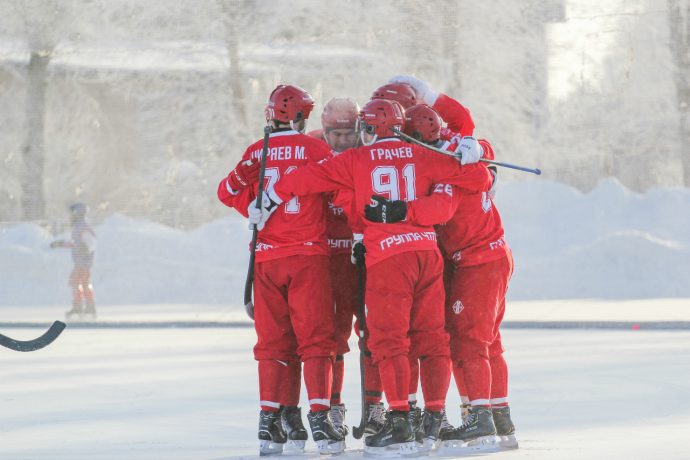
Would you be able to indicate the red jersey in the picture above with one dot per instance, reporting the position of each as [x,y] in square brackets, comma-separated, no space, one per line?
[393,169]
[456,115]
[474,235]
[298,226]
[339,203]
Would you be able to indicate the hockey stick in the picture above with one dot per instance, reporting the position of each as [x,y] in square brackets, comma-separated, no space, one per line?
[248,305]
[358,431]
[536,171]
[36,344]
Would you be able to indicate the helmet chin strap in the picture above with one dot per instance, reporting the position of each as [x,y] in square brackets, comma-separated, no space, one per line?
[304,126]
[373,139]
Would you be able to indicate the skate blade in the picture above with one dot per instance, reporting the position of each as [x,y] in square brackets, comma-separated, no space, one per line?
[508,442]
[403,449]
[480,444]
[294,447]
[270,448]
[427,445]
[330,447]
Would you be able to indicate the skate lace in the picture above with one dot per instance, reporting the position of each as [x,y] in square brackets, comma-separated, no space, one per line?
[292,420]
[470,420]
[377,413]
[444,421]
[337,415]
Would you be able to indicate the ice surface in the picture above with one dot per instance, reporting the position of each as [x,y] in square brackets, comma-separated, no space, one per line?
[191,394]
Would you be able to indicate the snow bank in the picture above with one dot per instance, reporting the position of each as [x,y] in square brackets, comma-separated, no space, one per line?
[610,243]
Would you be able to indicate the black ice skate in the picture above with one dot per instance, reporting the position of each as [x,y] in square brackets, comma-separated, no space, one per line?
[328,438]
[431,427]
[417,422]
[338,418]
[272,437]
[396,438]
[291,418]
[376,417]
[476,434]
[505,430]
[446,427]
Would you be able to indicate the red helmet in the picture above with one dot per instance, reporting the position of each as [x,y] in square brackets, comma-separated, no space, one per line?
[379,116]
[401,92]
[423,123]
[339,113]
[288,103]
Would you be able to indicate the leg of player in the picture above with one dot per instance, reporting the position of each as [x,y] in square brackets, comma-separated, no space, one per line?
[344,286]
[87,292]
[312,317]
[430,343]
[275,348]
[391,286]
[479,290]
[416,416]
[291,414]
[77,297]
[373,390]
[505,429]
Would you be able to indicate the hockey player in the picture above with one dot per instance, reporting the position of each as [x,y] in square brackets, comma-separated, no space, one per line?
[404,287]
[401,93]
[473,239]
[83,246]
[405,95]
[339,130]
[293,312]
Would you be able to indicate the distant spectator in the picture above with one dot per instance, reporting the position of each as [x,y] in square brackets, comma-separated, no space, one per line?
[83,245]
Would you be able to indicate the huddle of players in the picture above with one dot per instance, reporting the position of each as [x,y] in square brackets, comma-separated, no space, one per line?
[366,194]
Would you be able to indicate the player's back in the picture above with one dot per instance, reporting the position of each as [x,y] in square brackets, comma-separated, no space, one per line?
[397,171]
[299,224]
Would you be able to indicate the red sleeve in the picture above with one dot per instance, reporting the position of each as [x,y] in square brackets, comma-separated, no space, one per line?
[488,149]
[470,178]
[436,208]
[325,176]
[456,115]
[236,199]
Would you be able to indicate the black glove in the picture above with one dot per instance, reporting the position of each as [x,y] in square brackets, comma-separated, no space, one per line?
[385,211]
[358,251]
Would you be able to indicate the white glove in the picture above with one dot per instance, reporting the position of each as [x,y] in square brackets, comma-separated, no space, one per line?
[269,203]
[421,88]
[470,150]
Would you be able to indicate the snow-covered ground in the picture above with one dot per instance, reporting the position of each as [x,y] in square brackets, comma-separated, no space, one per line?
[610,243]
[190,394]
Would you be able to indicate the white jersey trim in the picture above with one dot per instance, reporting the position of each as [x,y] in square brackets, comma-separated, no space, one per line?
[388,139]
[290,132]
[323,402]
[480,402]
[498,401]
[229,189]
[270,404]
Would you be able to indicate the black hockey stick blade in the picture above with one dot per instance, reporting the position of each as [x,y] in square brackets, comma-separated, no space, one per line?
[36,344]
[536,171]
